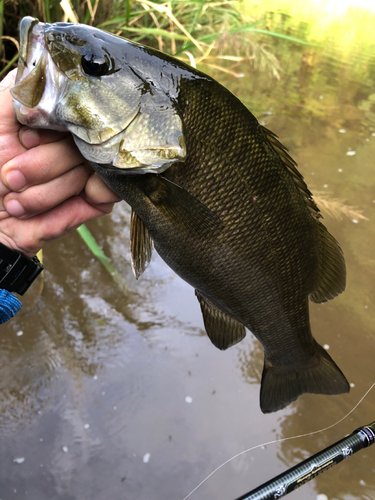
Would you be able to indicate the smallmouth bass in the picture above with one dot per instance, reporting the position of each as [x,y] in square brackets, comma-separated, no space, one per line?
[213,191]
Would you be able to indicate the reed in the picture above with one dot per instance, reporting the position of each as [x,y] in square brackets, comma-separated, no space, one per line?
[205,33]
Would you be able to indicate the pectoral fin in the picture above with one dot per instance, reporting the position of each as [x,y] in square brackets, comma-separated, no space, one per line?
[141,245]
[223,330]
[178,205]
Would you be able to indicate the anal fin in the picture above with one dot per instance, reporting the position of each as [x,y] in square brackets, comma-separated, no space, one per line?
[222,329]
[141,245]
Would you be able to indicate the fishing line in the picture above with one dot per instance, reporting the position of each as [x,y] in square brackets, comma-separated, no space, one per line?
[282,440]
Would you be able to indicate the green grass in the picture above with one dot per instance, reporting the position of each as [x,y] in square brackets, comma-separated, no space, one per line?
[91,243]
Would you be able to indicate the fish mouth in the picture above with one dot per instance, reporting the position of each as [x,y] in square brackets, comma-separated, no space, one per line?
[26,27]
[49,93]
[36,87]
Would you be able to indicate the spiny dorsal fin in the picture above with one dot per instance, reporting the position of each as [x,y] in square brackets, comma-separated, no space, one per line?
[291,165]
[141,245]
[223,330]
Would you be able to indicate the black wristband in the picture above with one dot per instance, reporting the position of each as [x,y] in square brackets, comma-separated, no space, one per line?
[17,272]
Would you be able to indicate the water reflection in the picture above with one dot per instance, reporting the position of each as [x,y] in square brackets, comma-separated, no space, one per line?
[99,379]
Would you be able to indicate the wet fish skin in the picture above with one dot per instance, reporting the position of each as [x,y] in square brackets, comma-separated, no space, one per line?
[233,217]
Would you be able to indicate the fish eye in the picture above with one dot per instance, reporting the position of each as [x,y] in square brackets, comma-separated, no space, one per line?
[93,65]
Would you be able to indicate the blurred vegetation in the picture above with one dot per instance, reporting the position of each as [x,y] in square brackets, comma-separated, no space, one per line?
[219,35]
[333,78]
[211,34]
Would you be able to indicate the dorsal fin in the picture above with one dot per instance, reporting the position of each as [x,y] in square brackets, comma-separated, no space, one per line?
[222,329]
[330,276]
[292,167]
[141,245]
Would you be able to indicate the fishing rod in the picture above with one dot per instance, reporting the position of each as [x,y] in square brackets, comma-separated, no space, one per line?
[300,474]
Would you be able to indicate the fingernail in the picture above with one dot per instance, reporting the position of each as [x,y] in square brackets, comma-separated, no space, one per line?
[15,180]
[14,207]
[29,138]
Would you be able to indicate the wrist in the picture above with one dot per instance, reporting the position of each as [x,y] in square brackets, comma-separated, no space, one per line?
[17,271]
[9,306]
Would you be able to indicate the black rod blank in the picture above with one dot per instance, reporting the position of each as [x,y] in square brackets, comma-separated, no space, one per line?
[300,474]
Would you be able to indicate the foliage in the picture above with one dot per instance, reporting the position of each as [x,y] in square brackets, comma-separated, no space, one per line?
[209,33]
[90,241]
[342,28]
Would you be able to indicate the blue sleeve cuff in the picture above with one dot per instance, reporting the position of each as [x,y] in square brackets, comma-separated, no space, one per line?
[9,306]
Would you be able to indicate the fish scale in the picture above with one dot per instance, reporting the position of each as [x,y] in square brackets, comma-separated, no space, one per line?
[276,232]
[216,193]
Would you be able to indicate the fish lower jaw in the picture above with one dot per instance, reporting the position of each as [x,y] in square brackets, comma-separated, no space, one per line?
[35,117]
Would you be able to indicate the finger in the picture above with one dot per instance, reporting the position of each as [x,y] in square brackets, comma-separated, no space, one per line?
[10,145]
[40,165]
[3,191]
[31,137]
[8,80]
[8,123]
[42,197]
[29,236]
[97,192]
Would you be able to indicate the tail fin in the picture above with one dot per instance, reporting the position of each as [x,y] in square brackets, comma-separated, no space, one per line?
[283,384]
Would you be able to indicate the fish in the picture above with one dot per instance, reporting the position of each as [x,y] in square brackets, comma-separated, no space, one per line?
[214,192]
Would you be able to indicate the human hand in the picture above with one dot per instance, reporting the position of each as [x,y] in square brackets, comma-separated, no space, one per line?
[47,189]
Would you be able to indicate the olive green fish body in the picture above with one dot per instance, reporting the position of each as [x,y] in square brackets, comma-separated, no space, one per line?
[219,198]
[261,263]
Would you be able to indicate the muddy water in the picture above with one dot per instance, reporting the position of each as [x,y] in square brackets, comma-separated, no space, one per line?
[106,394]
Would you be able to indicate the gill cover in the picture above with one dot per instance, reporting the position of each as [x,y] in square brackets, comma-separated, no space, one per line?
[85,80]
